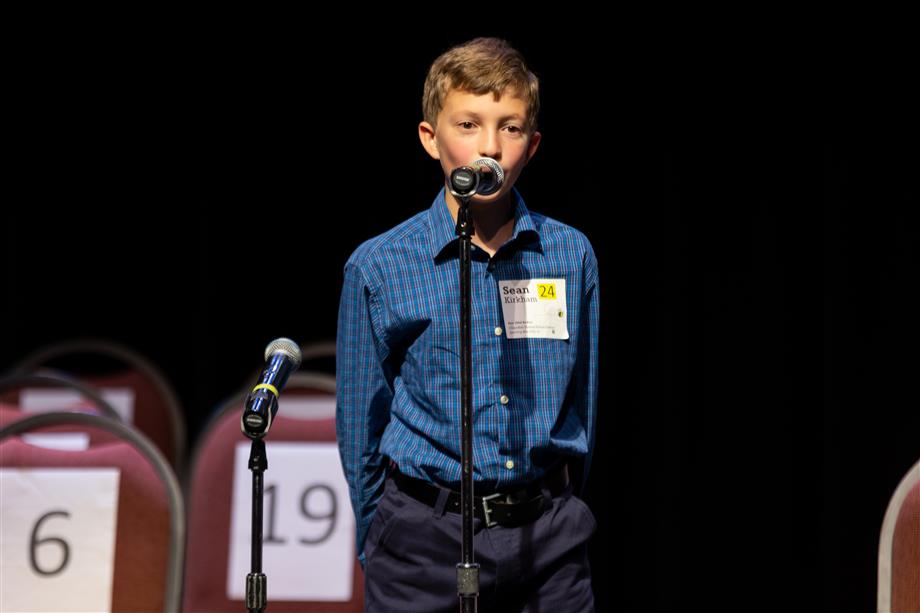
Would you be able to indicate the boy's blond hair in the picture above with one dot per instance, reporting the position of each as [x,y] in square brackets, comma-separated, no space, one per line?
[480,66]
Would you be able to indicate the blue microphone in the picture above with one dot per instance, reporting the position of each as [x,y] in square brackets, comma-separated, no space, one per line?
[282,357]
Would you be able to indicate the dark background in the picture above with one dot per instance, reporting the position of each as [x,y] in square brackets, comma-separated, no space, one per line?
[193,191]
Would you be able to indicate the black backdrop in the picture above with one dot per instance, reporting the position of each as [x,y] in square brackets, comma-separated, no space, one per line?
[194,192]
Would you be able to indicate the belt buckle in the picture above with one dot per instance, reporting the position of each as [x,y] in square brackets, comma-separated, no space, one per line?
[487,512]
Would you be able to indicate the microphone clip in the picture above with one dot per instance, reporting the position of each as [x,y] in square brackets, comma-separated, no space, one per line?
[261,405]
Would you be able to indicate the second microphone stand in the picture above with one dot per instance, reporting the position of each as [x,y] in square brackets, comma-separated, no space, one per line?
[256,581]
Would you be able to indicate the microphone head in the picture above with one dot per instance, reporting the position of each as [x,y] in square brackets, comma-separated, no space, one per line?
[492,180]
[285,346]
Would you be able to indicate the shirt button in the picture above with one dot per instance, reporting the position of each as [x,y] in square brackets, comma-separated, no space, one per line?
[498,331]
[503,399]
[509,464]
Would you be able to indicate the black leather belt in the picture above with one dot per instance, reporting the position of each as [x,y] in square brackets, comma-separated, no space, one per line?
[514,506]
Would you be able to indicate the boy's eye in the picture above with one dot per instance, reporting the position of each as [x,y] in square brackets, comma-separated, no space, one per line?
[466,125]
[513,129]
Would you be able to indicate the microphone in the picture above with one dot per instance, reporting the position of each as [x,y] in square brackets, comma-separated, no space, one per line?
[282,357]
[484,176]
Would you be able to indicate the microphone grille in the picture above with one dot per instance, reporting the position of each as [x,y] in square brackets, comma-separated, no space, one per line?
[285,346]
[498,174]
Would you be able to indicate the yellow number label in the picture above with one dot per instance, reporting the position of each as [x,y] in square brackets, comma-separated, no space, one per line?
[546,291]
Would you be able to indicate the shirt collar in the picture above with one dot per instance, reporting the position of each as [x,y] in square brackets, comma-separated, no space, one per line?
[442,229]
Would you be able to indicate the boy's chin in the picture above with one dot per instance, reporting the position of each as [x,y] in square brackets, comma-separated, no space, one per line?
[499,196]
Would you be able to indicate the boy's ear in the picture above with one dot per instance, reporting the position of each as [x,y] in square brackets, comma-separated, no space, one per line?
[429,142]
[533,145]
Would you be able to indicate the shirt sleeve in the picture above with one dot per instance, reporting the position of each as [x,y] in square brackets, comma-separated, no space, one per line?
[364,394]
[587,368]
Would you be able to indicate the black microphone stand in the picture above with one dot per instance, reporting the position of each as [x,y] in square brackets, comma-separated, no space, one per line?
[256,581]
[467,569]
[254,427]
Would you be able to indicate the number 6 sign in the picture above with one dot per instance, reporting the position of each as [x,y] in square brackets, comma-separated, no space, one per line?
[57,538]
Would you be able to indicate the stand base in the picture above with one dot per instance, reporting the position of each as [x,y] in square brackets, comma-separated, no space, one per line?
[468,580]
[256,591]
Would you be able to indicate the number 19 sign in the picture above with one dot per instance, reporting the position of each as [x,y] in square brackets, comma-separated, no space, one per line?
[308,534]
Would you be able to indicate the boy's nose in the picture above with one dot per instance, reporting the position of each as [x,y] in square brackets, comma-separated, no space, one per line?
[490,145]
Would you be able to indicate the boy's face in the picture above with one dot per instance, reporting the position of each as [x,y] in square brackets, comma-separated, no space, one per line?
[472,126]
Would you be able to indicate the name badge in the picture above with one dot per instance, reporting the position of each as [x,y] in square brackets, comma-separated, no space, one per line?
[534,308]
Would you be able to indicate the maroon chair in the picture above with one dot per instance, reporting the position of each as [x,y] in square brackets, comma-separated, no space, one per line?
[9,414]
[209,495]
[104,364]
[149,538]
[899,549]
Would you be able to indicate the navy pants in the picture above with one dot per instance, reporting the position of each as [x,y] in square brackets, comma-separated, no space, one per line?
[412,549]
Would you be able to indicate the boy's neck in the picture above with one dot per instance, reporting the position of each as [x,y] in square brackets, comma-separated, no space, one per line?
[493,223]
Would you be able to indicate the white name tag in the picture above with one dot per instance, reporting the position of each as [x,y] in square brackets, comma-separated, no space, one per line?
[42,400]
[307,407]
[57,538]
[62,441]
[534,308]
[309,529]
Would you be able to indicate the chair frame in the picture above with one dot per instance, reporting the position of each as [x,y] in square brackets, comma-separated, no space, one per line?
[49,379]
[131,358]
[320,381]
[232,406]
[886,541]
[176,558]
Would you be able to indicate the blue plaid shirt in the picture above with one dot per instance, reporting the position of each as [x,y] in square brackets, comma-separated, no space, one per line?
[398,359]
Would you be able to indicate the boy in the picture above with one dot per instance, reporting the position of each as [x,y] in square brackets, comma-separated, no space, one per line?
[534,369]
